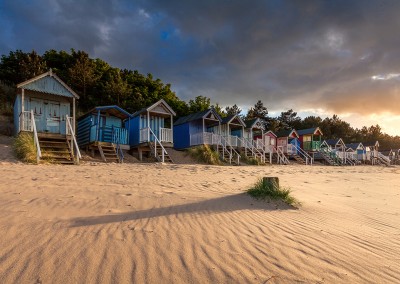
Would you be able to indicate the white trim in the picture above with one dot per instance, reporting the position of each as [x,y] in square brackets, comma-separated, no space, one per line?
[215,114]
[165,104]
[50,74]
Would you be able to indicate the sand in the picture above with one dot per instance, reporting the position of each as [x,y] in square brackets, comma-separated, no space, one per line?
[153,223]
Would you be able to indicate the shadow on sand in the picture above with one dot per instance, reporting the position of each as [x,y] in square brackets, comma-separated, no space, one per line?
[228,203]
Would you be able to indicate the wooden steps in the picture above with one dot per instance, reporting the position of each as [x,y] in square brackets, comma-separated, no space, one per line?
[328,159]
[158,154]
[56,149]
[224,156]
[108,152]
[299,159]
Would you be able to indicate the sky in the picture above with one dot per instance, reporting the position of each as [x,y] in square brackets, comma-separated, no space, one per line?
[316,57]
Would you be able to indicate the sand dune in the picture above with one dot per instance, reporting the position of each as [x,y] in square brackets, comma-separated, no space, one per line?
[109,223]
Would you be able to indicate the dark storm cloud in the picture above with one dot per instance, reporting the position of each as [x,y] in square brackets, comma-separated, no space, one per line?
[289,54]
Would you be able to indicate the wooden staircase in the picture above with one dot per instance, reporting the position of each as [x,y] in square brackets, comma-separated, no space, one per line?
[252,155]
[224,153]
[108,152]
[325,155]
[56,149]
[299,159]
[383,160]
[158,154]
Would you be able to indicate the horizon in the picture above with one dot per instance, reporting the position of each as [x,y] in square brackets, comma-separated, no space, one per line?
[317,58]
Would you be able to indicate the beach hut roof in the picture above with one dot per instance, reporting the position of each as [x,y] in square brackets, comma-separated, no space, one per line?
[291,133]
[334,142]
[113,110]
[371,143]
[231,118]
[199,115]
[160,106]
[386,152]
[355,146]
[254,123]
[314,131]
[48,83]
[270,132]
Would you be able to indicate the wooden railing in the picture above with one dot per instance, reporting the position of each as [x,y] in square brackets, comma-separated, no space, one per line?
[384,159]
[281,156]
[232,140]
[156,141]
[166,135]
[305,155]
[116,140]
[27,123]
[119,135]
[70,131]
[205,138]
[250,145]
[232,152]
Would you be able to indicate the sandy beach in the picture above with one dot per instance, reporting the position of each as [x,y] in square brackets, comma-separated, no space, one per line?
[153,223]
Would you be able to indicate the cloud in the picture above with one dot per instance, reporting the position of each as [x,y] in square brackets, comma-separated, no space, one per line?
[289,54]
[386,76]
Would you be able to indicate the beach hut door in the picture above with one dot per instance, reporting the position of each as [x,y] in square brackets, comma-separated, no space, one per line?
[52,117]
[38,111]
[267,140]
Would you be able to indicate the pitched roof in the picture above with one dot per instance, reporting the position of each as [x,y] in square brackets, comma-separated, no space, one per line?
[196,116]
[333,142]
[149,108]
[252,123]
[270,131]
[354,146]
[249,123]
[287,133]
[230,118]
[371,143]
[113,110]
[48,83]
[309,131]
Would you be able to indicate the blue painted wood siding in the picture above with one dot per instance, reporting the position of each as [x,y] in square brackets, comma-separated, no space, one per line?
[89,131]
[17,111]
[182,136]
[49,85]
[49,114]
[140,122]
[295,142]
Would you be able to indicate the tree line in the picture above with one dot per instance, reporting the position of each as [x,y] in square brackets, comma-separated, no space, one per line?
[98,83]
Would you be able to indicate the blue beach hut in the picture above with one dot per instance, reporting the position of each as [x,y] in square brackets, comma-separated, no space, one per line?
[200,128]
[103,129]
[232,127]
[45,106]
[151,128]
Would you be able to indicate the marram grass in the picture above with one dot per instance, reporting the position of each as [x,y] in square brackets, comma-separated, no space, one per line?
[205,154]
[24,147]
[270,191]
[251,161]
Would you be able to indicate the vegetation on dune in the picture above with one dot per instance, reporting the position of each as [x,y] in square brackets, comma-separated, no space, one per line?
[99,83]
[205,154]
[251,160]
[24,147]
[269,190]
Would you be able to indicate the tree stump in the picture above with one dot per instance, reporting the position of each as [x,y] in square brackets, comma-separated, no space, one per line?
[271,182]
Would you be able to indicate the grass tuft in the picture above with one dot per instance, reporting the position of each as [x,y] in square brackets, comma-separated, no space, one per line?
[270,191]
[24,147]
[251,161]
[205,154]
